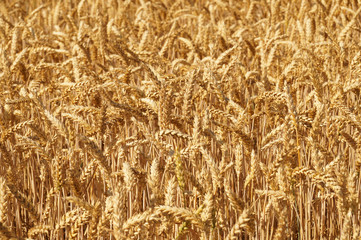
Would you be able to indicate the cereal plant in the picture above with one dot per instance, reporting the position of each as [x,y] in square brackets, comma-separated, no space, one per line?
[184,119]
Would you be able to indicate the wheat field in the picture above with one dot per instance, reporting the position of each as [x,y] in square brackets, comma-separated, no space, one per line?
[180,119]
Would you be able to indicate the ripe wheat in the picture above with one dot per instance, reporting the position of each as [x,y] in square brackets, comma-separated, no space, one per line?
[180,119]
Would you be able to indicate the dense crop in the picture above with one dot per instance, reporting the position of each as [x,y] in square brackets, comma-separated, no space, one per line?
[180,119]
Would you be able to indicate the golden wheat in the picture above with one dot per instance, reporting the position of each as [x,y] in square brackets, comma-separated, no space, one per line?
[180,119]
